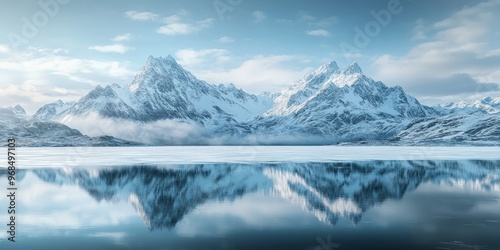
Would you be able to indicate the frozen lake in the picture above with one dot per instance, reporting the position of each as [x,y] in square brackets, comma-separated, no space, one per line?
[93,156]
[305,198]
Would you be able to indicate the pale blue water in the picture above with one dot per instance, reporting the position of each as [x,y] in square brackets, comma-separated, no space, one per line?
[327,202]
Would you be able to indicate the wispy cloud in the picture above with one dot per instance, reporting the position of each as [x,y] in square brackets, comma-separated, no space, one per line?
[260,73]
[419,30]
[175,26]
[256,74]
[225,39]
[455,59]
[305,17]
[194,58]
[113,48]
[140,16]
[4,49]
[122,37]
[258,16]
[40,75]
[318,32]
[325,22]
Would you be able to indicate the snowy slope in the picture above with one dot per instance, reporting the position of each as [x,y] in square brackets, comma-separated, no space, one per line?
[488,104]
[340,106]
[164,90]
[52,110]
[163,95]
[15,123]
[477,128]
[165,104]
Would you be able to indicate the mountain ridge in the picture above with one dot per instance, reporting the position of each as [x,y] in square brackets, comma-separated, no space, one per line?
[328,106]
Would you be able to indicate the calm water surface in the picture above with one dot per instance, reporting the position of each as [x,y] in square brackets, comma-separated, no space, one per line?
[259,204]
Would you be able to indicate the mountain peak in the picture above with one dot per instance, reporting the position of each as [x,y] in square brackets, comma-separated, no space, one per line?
[160,60]
[353,69]
[332,65]
[155,68]
[328,68]
[19,109]
[170,58]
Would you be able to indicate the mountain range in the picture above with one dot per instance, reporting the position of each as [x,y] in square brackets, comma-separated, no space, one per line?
[15,123]
[167,105]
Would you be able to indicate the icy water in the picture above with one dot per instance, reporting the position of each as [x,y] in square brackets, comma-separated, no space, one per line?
[311,198]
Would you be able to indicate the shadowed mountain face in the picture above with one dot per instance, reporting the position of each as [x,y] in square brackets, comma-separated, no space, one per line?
[330,191]
[15,123]
[327,106]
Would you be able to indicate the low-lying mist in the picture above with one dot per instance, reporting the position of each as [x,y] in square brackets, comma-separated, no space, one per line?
[172,132]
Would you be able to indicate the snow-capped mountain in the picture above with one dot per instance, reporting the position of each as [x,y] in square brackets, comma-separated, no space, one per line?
[340,106]
[51,110]
[476,127]
[15,123]
[329,191]
[488,104]
[163,94]
[164,90]
[165,104]
[472,122]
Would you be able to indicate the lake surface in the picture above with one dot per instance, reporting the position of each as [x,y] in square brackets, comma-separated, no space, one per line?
[311,198]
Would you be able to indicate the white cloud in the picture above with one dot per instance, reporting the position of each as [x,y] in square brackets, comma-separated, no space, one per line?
[456,60]
[4,49]
[37,76]
[419,30]
[225,39]
[205,23]
[258,74]
[305,17]
[33,61]
[175,26]
[258,16]
[122,37]
[319,32]
[176,29]
[194,58]
[172,19]
[48,51]
[113,48]
[33,94]
[140,16]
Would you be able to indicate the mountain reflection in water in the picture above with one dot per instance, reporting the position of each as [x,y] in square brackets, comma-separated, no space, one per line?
[162,196]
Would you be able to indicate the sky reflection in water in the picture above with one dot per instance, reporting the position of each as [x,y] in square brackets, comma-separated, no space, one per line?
[342,205]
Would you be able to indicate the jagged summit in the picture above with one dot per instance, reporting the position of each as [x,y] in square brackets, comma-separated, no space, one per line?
[490,105]
[332,104]
[328,68]
[169,58]
[159,70]
[16,111]
[161,64]
[19,109]
[353,69]
[162,90]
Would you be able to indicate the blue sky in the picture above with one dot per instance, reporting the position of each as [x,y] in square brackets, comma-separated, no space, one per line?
[438,51]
